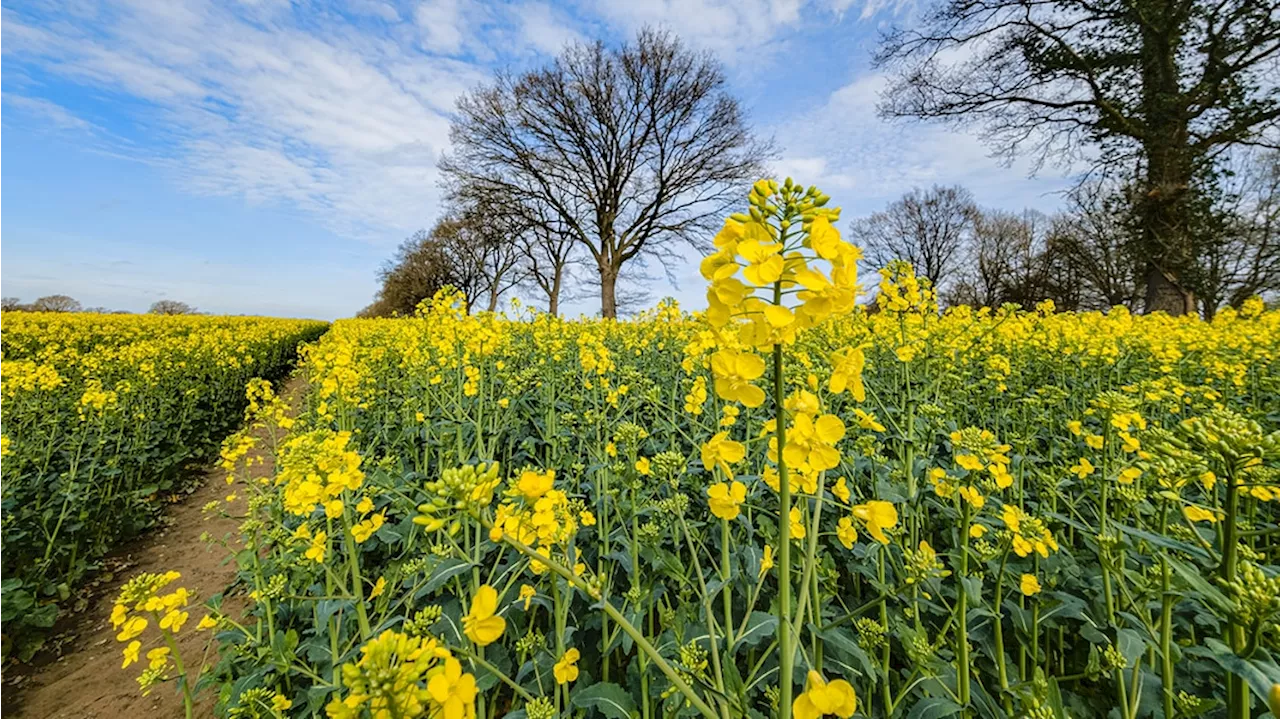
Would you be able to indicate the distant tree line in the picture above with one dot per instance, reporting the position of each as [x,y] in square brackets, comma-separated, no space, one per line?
[66,303]
[1086,256]
[48,303]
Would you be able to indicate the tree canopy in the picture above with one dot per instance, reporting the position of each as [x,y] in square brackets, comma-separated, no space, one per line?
[1157,89]
[627,151]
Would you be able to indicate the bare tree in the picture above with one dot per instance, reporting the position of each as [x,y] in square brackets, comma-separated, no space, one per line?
[419,269]
[633,284]
[546,257]
[471,250]
[1242,259]
[1009,262]
[484,249]
[55,303]
[171,307]
[547,251]
[628,151]
[1163,85]
[928,228]
[11,304]
[543,246]
[1093,236]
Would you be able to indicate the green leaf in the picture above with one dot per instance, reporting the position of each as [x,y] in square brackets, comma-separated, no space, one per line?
[326,608]
[1206,591]
[1131,645]
[934,708]
[1250,671]
[1054,699]
[1093,635]
[973,588]
[760,626]
[446,570]
[842,642]
[610,699]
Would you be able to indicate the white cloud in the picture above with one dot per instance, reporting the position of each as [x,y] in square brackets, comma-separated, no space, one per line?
[344,116]
[347,119]
[442,25]
[742,32]
[47,111]
[807,170]
[345,123]
[374,8]
[543,29]
[865,162]
[738,31]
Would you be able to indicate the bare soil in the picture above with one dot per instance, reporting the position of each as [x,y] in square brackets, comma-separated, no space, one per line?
[86,681]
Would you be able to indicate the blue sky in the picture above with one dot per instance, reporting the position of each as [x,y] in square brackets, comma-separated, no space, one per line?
[265,156]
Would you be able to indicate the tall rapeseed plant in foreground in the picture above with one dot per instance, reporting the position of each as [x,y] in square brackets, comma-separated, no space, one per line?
[767,285]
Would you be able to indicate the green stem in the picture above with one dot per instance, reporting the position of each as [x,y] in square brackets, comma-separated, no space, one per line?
[357,583]
[1166,636]
[1238,699]
[499,674]
[786,655]
[999,633]
[962,609]
[713,640]
[726,593]
[188,701]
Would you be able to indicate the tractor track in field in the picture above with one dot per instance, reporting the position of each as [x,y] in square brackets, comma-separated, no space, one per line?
[86,681]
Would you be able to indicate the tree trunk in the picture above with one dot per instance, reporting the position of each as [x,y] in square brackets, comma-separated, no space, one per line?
[553,297]
[1164,206]
[608,292]
[1165,294]
[1166,237]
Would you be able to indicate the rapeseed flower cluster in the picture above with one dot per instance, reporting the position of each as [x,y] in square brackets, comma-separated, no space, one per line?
[141,604]
[316,469]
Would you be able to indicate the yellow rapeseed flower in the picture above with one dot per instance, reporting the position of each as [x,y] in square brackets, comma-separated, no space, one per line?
[482,625]
[846,532]
[811,443]
[566,669]
[452,690]
[877,515]
[766,561]
[725,497]
[132,628]
[734,372]
[533,484]
[722,452]
[1029,585]
[1199,514]
[797,524]
[1083,468]
[821,698]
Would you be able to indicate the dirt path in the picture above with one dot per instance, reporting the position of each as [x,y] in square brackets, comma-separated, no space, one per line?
[87,681]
